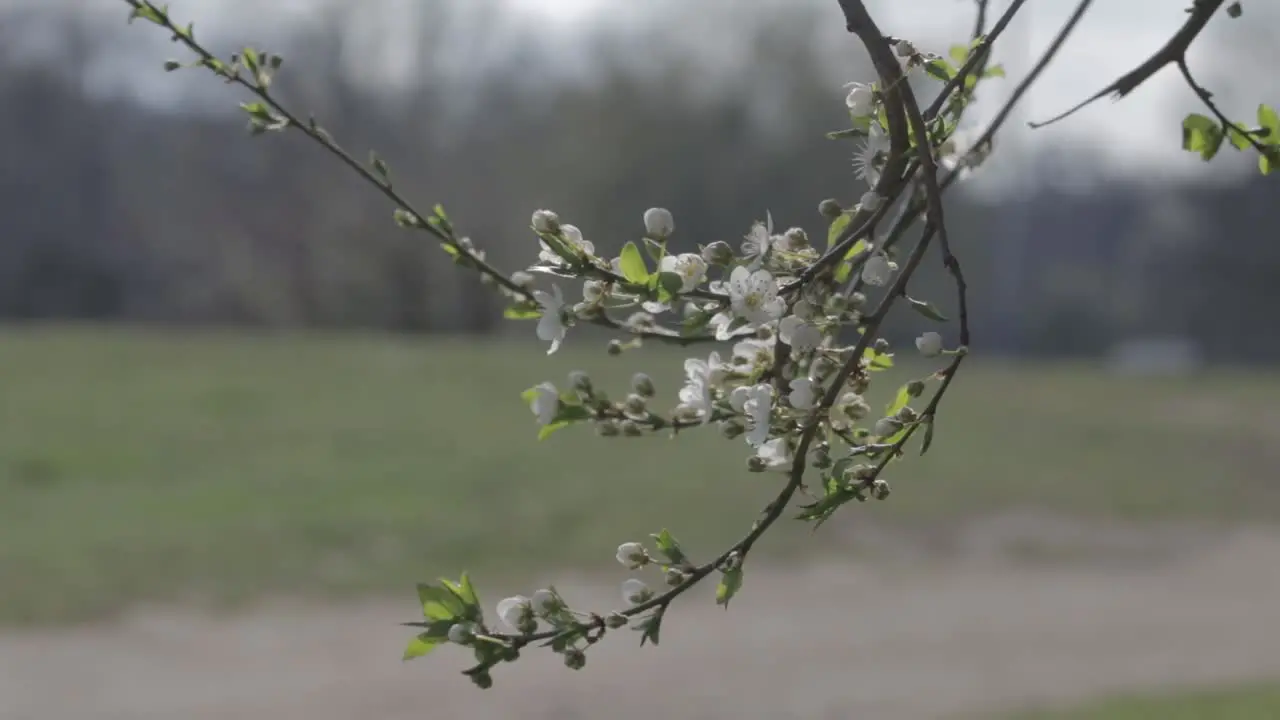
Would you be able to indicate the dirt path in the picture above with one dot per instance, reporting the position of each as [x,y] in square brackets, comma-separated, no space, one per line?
[940,639]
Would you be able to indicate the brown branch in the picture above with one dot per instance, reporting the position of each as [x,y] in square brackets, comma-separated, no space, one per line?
[1173,52]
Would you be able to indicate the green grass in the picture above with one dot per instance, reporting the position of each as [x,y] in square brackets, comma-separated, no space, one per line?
[1252,702]
[220,467]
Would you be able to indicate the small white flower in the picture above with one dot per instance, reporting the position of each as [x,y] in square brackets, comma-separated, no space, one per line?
[776,454]
[546,403]
[802,395]
[635,591]
[753,296]
[551,327]
[515,611]
[861,100]
[696,397]
[904,48]
[545,221]
[544,602]
[659,223]
[753,352]
[800,335]
[757,404]
[929,344]
[877,270]
[689,266]
[712,370]
[870,201]
[592,291]
[633,555]
[460,633]
[757,243]
[870,158]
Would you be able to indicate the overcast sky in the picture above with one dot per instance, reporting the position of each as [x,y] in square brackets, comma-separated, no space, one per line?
[1141,134]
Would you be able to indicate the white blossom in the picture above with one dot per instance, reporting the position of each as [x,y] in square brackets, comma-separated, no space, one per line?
[695,396]
[756,402]
[877,270]
[689,266]
[861,100]
[776,454]
[551,327]
[904,48]
[635,591]
[800,335]
[802,395]
[753,296]
[848,410]
[712,369]
[546,403]
[659,223]
[753,351]
[632,554]
[929,344]
[515,611]
[545,221]
[592,291]
[869,159]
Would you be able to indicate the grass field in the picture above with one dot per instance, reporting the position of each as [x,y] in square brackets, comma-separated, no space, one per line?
[220,467]
[1252,702]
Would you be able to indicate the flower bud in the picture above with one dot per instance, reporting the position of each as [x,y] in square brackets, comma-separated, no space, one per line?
[796,239]
[877,270]
[482,680]
[608,428]
[718,253]
[830,208]
[632,555]
[929,344]
[659,223]
[635,592]
[545,602]
[522,279]
[859,383]
[635,405]
[857,300]
[616,620]
[643,385]
[881,345]
[915,388]
[904,49]
[575,659]
[460,634]
[675,576]
[880,489]
[887,426]
[545,221]
[630,429]
[580,381]
[757,464]
[870,201]
[907,414]
[615,347]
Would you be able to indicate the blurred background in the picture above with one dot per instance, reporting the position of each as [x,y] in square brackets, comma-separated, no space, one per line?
[242,412]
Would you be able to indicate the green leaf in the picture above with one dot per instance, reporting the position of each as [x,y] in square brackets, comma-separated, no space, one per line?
[523,311]
[421,645]
[439,603]
[670,548]
[250,58]
[1234,10]
[996,70]
[837,226]
[959,53]
[1268,161]
[671,283]
[146,12]
[1269,119]
[379,166]
[1239,140]
[846,266]
[651,626]
[729,585]
[568,415]
[1202,135]
[877,360]
[901,400]
[632,264]
[466,593]
[927,309]
[655,249]
[940,69]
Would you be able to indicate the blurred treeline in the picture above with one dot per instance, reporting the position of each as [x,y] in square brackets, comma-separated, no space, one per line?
[112,211]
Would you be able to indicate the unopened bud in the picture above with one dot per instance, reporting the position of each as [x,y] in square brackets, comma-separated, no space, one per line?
[904,49]
[580,381]
[643,385]
[915,388]
[907,414]
[615,347]
[718,253]
[830,208]
[635,405]
[887,426]
[545,221]
[796,239]
[880,489]
[857,300]
[616,620]
[675,576]
[757,464]
[659,223]
[881,345]
[630,429]
[482,680]
[575,659]
[608,428]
